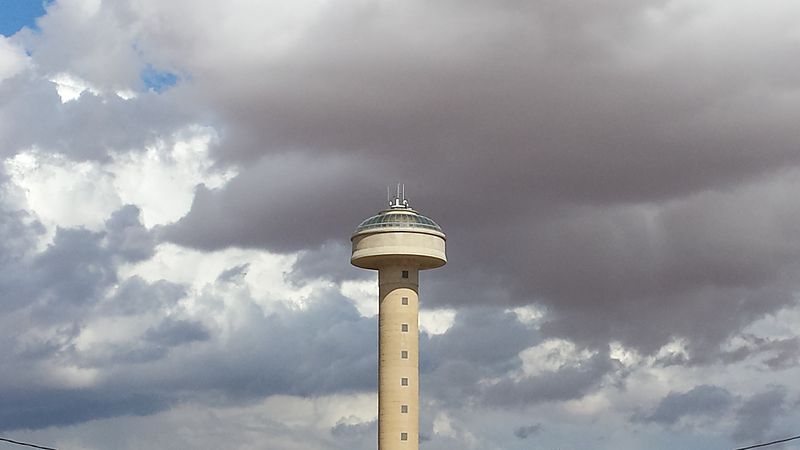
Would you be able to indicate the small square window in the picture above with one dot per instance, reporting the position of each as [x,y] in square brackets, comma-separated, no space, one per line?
[404,409]
[404,354]
[403,436]
[405,274]
[403,381]
[405,300]
[404,328]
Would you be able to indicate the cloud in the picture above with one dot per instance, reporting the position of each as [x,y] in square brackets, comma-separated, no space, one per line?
[172,332]
[527,431]
[586,171]
[310,196]
[758,413]
[76,268]
[42,408]
[87,39]
[481,343]
[12,59]
[610,165]
[343,430]
[777,353]
[88,127]
[48,297]
[703,400]
[331,260]
[566,383]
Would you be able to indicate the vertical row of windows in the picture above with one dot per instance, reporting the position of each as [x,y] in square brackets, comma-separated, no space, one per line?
[404,410]
[404,355]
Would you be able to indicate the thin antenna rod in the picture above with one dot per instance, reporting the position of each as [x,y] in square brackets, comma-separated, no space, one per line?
[404,191]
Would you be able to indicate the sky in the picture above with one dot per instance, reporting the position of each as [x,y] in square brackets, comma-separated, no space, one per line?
[617,179]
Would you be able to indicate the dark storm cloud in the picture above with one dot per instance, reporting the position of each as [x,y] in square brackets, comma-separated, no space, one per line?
[527,431]
[330,260]
[704,400]
[776,353]
[324,348]
[76,268]
[173,332]
[564,383]
[134,296]
[47,298]
[482,344]
[80,264]
[485,337]
[126,237]
[757,415]
[785,353]
[18,235]
[21,409]
[19,230]
[284,204]
[505,88]
[569,154]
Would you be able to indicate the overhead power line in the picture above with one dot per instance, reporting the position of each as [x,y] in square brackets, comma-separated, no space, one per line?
[780,441]
[769,443]
[26,444]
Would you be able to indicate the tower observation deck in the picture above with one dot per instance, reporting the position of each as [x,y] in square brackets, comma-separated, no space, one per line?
[398,242]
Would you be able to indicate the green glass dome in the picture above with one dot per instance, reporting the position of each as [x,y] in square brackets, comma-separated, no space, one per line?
[395,219]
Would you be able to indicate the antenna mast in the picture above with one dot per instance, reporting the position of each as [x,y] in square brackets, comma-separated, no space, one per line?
[399,200]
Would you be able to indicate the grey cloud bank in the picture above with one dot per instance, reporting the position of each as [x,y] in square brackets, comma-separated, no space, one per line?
[613,176]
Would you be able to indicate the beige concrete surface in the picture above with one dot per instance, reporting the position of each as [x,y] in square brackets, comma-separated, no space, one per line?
[425,250]
[392,367]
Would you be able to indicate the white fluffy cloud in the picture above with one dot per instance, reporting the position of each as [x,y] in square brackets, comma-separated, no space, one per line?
[160,180]
[12,59]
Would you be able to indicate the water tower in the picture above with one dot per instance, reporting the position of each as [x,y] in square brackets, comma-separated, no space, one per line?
[398,242]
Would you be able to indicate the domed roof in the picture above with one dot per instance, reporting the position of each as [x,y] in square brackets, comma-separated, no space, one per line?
[398,218]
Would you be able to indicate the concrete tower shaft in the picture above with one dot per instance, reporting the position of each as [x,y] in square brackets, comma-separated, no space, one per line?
[398,358]
[398,243]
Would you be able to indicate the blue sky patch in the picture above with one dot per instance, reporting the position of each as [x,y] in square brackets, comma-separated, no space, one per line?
[158,80]
[16,14]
